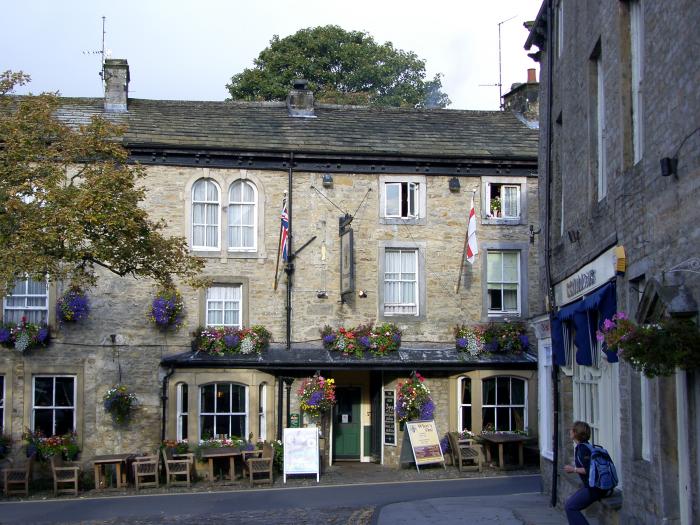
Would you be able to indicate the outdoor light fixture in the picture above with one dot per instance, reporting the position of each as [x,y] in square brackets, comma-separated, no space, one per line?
[454,184]
[534,232]
[321,294]
[327,180]
[669,166]
[362,294]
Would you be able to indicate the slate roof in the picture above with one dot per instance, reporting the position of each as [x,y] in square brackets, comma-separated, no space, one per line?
[267,127]
[305,356]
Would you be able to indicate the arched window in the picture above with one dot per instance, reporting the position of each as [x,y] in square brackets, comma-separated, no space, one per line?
[205,215]
[242,216]
[182,411]
[223,411]
[504,406]
[465,403]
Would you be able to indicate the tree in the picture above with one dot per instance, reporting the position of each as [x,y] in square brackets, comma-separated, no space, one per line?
[343,67]
[69,200]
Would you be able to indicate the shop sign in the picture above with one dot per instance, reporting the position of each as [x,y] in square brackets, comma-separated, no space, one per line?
[593,275]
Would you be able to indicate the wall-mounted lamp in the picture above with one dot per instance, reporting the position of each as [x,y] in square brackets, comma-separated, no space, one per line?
[362,293]
[327,180]
[321,294]
[669,166]
[534,232]
[574,236]
[454,184]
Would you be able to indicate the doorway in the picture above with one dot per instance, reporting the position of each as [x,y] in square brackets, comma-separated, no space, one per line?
[346,424]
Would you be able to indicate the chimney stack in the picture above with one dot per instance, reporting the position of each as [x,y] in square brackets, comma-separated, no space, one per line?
[115,75]
[300,101]
[522,99]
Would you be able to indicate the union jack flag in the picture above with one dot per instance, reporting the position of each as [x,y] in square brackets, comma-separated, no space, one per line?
[285,231]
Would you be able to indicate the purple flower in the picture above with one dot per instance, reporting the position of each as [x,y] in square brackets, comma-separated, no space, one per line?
[231,340]
[599,336]
[396,338]
[524,342]
[461,342]
[426,411]
[401,410]
[328,339]
[43,334]
[315,398]
[364,341]
[5,335]
[491,347]
[608,325]
[73,306]
[444,444]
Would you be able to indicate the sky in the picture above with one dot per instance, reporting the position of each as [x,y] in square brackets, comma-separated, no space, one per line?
[188,50]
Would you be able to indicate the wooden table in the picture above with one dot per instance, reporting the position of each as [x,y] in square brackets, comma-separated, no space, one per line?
[210,454]
[100,462]
[500,439]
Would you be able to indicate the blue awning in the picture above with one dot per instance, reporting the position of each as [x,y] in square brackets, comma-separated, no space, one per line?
[585,316]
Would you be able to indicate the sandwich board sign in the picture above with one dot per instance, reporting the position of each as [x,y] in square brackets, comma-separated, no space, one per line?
[301,452]
[424,442]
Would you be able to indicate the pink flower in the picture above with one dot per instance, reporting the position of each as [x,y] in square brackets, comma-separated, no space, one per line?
[599,336]
[608,325]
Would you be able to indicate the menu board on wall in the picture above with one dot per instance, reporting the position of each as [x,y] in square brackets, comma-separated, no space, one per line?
[389,418]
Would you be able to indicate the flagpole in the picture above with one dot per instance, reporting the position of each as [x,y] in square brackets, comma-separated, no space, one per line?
[464,249]
[279,245]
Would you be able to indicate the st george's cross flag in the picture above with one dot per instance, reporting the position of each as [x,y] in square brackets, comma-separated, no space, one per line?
[472,246]
[285,231]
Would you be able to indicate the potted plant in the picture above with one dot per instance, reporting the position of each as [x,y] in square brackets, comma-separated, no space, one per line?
[316,395]
[655,349]
[495,206]
[231,340]
[379,340]
[413,400]
[469,339]
[119,403]
[506,337]
[167,309]
[24,336]
[43,448]
[72,306]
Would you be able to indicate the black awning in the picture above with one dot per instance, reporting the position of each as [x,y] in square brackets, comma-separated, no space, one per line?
[305,356]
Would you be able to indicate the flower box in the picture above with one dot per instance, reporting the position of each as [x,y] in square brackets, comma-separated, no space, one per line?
[24,336]
[505,337]
[229,340]
[379,340]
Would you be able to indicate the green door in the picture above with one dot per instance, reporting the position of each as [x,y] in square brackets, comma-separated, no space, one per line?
[346,423]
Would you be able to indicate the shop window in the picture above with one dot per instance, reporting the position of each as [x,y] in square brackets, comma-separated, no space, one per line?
[223,411]
[504,404]
[53,405]
[182,411]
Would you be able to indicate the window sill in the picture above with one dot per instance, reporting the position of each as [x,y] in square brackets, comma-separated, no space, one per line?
[228,255]
[421,221]
[500,221]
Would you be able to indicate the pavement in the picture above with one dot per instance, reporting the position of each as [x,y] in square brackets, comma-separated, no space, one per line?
[529,507]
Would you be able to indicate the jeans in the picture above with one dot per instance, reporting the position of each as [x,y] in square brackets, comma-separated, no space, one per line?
[578,501]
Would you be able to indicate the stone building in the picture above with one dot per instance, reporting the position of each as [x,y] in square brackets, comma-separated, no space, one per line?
[619,161]
[400,180]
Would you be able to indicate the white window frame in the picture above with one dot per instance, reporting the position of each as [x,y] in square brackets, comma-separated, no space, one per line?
[647,415]
[490,213]
[2,404]
[25,307]
[235,301]
[262,411]
[416,213]
[402,280]
[544,393]
[231,206]
[229,414]
[182,398]
[509,406]
[560,27]
[206,203]
[601,130]
[462,406]
[54,407]
[636,11]
[503,312]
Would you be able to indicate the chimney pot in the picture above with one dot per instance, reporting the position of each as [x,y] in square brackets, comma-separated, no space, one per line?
[531,76]
[115,75]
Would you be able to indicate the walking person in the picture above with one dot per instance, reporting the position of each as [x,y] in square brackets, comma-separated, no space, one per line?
[581,432]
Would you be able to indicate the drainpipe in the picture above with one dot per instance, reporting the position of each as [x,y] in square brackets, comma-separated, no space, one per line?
[289,267]
[164,398]
[547,252]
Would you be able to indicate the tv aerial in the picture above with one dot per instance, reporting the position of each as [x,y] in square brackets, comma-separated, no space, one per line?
[500,63]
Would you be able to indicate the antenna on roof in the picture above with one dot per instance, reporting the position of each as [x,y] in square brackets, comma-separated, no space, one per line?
[500,80]
[101,52]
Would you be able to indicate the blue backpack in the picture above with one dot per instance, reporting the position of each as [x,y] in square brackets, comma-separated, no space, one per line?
[602,474]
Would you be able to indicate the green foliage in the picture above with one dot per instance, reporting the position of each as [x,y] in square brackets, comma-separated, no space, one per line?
[220,340]
[342,67]
[654,349]
[45,447]
[70,200]
[5,445]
